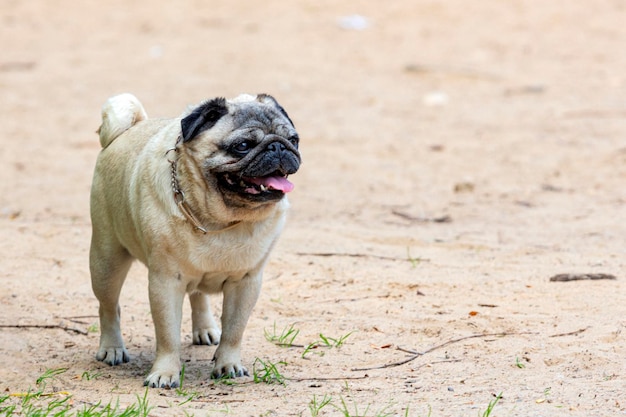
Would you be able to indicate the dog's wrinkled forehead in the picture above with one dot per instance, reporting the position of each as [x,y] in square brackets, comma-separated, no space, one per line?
[258,116]
[247,112]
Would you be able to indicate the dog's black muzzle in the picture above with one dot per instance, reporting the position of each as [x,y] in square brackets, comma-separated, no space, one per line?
[278,158]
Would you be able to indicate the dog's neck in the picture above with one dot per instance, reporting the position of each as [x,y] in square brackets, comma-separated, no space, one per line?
[179,197]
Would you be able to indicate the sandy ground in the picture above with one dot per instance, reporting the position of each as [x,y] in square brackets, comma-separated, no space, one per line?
[456,156]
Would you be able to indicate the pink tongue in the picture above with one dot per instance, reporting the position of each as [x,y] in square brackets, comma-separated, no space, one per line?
[273,183]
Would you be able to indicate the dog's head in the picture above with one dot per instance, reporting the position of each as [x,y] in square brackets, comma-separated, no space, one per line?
[245,148]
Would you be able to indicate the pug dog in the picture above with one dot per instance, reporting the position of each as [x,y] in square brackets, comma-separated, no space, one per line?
[201,201]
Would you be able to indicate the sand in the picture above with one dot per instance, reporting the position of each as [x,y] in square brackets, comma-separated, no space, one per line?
[457,155]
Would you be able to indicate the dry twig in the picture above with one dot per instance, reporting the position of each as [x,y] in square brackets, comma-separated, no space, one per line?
[436,362]
[353,255]
[341,378]
[415,219]
[43,326]
[449,342]
[580,277]
[574,333]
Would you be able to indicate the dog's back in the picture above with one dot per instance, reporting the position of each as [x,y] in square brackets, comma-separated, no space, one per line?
[119,114]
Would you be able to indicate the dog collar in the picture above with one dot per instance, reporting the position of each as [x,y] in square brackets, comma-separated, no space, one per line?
[179,198]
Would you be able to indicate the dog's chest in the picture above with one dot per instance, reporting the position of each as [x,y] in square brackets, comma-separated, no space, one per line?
[231,253]
[226,260]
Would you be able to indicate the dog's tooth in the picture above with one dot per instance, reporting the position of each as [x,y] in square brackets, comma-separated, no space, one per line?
[242,184]
[263,187]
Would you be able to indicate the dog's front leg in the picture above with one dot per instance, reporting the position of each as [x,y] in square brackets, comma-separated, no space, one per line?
[167,292]
[239,300]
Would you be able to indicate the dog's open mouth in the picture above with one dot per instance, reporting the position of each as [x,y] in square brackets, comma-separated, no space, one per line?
[273,185]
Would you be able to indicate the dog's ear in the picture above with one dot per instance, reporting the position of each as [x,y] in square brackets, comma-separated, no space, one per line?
[203,117]
[267,99]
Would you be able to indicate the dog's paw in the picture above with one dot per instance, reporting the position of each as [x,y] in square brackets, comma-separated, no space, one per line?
[229,370]
[209,336]
[165,380]
[113,355]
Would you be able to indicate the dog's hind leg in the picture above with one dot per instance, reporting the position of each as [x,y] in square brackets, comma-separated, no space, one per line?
[205,328]
[109,265]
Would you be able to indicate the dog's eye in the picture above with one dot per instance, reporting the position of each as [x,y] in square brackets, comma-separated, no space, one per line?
[243,147]
[294,140]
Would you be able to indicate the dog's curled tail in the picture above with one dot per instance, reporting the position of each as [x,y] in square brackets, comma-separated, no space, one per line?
[119,114]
